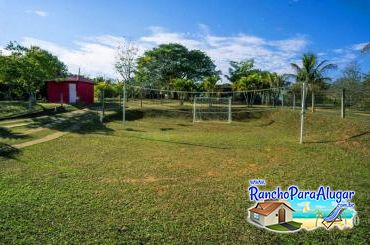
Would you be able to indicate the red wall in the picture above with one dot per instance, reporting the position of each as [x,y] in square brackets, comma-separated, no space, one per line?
[55,90]
[85,92]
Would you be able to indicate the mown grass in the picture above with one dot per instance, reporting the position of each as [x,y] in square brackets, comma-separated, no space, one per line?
[277,227]
[166,180]
[10,109]
[295,224]
[21,130]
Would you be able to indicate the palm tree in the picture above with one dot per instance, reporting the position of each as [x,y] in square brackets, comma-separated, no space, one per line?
[277,81]
[319,214]
[209,83]
[312,72]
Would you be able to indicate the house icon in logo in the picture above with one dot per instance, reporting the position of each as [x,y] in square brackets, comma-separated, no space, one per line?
[270,213]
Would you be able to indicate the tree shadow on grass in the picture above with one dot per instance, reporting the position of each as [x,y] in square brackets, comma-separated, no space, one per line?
[336,141]
[86,123]
[267,124]
[8,151]
[82,123]
[8,134]
[134,130]
[166,129]
[131,115]
[43,111]
[184,125]
[181,143]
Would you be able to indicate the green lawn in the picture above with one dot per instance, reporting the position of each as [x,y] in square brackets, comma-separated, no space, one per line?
[278,227]
[166,180]
[21,108]
[295,224]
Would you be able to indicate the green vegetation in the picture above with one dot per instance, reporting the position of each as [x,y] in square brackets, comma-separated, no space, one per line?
[277,227]
[295,224]
[24,71]
[167,62]
[161,179]
[314,73]
[10,109]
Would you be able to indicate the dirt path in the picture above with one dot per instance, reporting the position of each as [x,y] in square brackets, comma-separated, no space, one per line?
[16,125]
[38,141]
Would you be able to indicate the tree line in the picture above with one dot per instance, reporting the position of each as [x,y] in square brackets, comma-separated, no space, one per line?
[23,72]
[172,67]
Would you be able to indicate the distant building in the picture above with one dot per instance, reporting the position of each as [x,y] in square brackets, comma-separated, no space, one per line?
[271,213]
[71,90]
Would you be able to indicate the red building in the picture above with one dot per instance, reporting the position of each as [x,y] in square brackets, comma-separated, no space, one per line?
[73,89]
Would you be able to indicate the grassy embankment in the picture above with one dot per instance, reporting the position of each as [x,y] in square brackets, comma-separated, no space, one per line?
[161,179]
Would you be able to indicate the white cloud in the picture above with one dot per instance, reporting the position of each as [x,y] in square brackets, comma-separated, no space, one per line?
[345,55]
[4,51]
[358,46]
[273,55]
[338,51]
[96,55]
[94,58]
[40,13]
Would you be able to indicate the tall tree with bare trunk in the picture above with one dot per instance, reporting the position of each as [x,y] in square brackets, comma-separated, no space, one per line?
[313,72]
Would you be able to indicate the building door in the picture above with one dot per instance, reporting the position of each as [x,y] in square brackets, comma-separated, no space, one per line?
[72,93]
[281,215]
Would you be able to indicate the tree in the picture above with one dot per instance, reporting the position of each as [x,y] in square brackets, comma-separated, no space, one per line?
[161,65]
[180,84]
[276,81]
[252,81]
[9,71]
[126,60]
[106,84]
[30,67]
[366,82]
[312,72]
[240,69]
[350,79]
[209,83]
[318,214]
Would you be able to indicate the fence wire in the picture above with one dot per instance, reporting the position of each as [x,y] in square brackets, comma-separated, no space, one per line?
[162,101]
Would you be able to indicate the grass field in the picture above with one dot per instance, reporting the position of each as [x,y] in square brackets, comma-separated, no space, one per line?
[162,179]
[21,108]
[279,227]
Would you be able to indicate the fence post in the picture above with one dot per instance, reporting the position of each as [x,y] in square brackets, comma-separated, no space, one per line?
[302,111]
[194,108]
[124,104]
[343,103]
[102,107]
[282,99]
[293,101]
[141,97]
[229,111]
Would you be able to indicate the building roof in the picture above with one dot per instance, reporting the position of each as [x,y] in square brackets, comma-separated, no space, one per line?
[266,208]
[72,79]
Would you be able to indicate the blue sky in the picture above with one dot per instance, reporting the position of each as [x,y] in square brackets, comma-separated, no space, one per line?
[85,33]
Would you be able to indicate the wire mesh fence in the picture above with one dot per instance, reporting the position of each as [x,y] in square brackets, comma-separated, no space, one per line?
[162,101]
[212,108]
